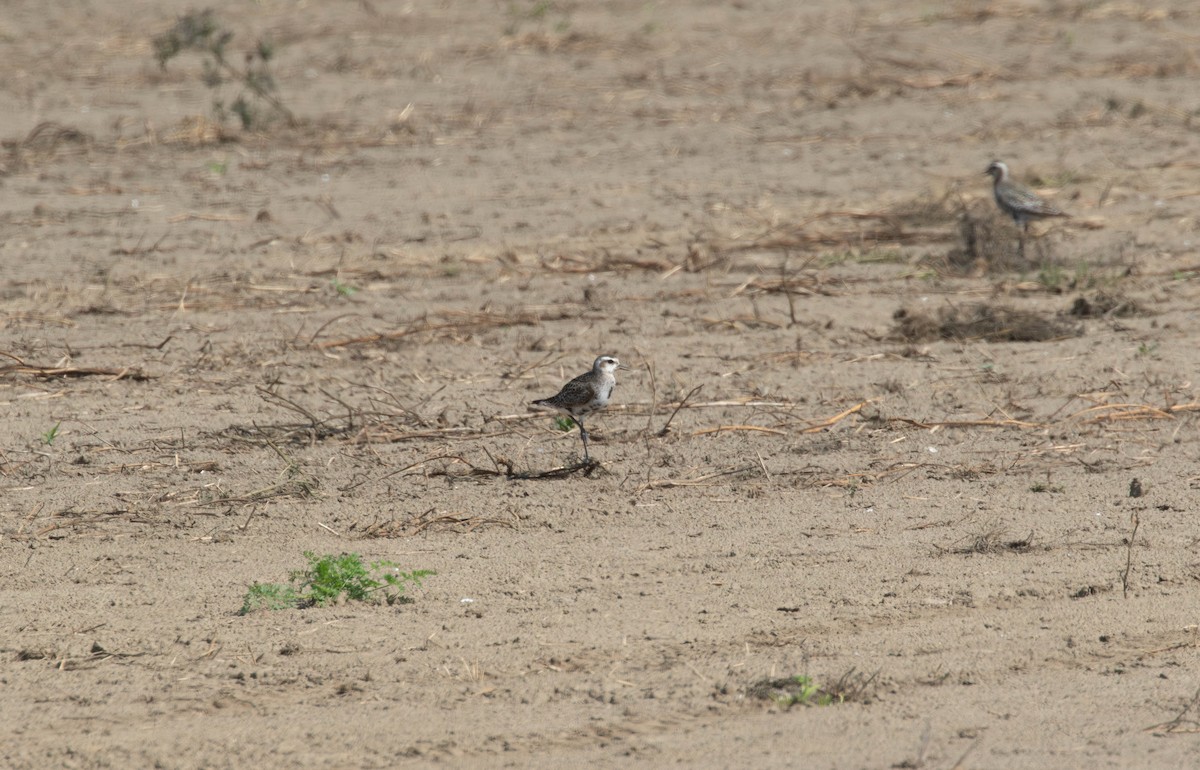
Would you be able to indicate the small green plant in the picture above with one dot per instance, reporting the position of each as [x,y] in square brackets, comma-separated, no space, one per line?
[1053,277]
[328,578]
[1084,279]
[863,257]
[332,578]
[803,690]
[538,11]
[1056,278]
[49,436]
[345,289]
[200,31]
[563,423]
[799,690]
[269,596]
[1147,349]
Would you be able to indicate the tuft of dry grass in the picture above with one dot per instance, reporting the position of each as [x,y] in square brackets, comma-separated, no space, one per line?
[990,540]
[852,686]
[1105,304]
[988,242]
[430,521]
[979,321]
[47,141]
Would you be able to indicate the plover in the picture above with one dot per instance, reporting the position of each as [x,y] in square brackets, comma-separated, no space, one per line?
[1018,201]
[586,394]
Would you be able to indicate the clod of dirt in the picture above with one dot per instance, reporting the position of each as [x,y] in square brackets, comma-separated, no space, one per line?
[31,654]
[1089,590]
[981,321]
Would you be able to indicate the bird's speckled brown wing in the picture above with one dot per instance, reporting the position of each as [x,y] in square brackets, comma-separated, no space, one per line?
[576,394]
[1019,200]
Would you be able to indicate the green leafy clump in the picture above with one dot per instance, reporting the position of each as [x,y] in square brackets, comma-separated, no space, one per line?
[256,100]
[344,289]
[803,690]
[269,596]
[329,579]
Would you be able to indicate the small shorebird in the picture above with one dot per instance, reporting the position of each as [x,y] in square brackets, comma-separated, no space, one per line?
[585,394]
[1018,201]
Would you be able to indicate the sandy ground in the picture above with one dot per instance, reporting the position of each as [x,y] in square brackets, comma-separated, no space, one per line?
[860,440]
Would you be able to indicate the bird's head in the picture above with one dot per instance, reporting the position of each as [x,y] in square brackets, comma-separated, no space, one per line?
[607,364]
[997,170]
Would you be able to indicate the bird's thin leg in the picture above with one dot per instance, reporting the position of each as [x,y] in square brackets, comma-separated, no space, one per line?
[583,435]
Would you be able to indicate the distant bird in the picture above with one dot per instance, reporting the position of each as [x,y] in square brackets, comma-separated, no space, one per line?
[1018,201]
[586,394]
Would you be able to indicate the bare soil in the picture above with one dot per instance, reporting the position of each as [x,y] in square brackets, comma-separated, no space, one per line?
[861,439]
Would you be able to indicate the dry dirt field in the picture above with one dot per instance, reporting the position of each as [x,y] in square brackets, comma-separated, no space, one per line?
[861,439]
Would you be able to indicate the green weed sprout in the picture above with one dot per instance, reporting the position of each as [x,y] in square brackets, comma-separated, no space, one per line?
[344,289]
[332,578]
[199,31]
[269,596]
[802,691]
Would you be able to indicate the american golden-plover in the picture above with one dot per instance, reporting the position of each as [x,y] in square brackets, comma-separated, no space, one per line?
[586,394]
[1018,201]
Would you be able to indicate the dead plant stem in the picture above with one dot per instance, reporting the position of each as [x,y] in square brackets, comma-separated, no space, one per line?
[1129,556]
[667,426]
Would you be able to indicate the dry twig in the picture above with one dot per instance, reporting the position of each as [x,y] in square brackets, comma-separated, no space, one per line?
[1180,724]
[1129,555]
[48,372]
[667,426]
